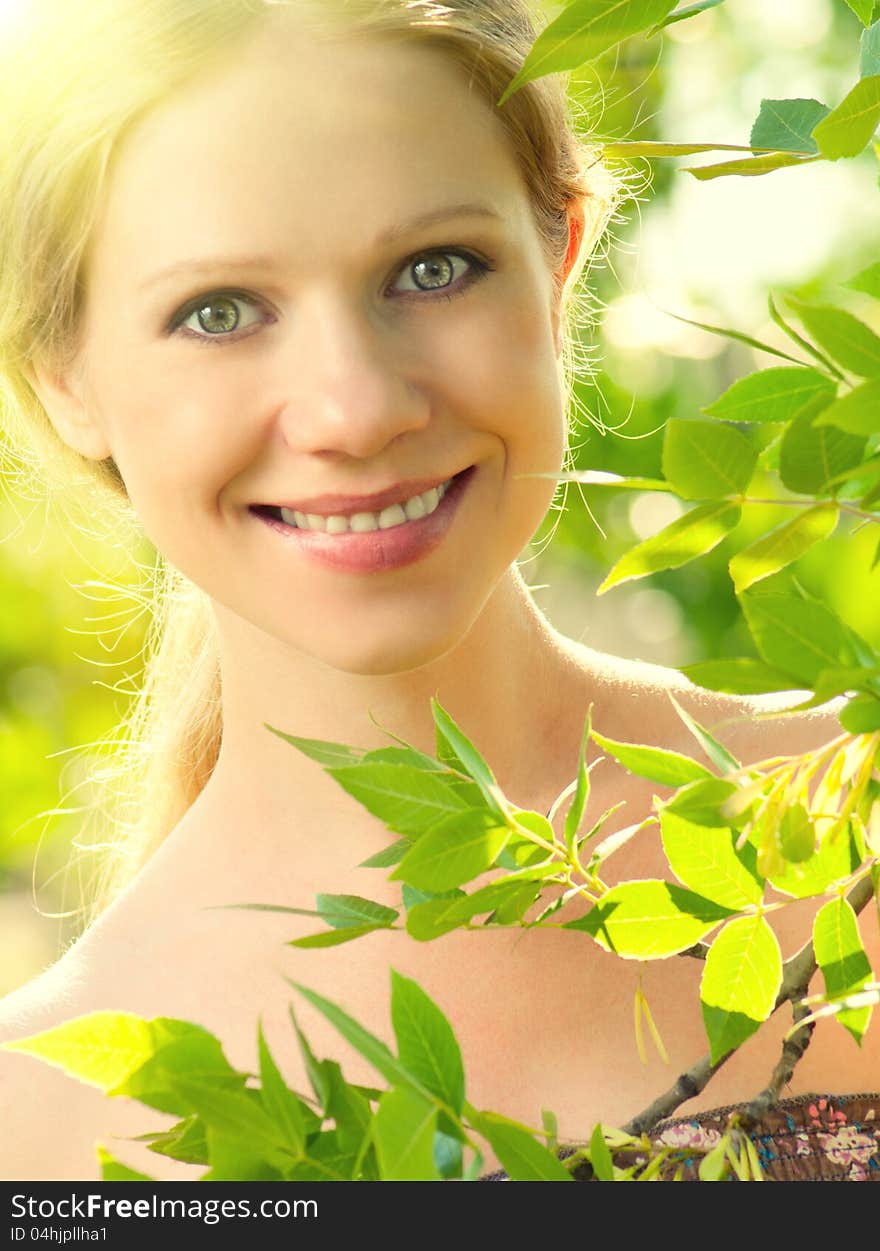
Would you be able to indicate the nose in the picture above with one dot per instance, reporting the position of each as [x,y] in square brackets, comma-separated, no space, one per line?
[350,388]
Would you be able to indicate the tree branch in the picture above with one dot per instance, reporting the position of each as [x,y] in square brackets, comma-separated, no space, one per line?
[797,974]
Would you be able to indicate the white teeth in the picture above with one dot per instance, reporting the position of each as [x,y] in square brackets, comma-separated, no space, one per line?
[360,523]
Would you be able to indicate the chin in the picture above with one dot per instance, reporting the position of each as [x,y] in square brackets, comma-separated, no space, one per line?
[387,656]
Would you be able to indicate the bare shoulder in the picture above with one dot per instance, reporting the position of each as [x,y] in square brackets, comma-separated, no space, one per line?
[634,702]
[51,1122]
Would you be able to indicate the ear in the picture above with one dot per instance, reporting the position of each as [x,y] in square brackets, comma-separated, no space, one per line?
[63,397]
[576,231]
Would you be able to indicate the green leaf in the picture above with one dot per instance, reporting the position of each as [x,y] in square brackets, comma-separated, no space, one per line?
[342,911]
[788,125]
[472,762]
[682,14]
[403,1131]
[737,336]
[702,802]
[868,280]
[834,861]
[426,1045]
[648,920]
[705,861]
[715,751]
[575,813]
[186,1141]
[863,9]
[600,1156]
[848,129]
[796,635]
[100,1048]
[858,411]
[455,851]
[849,341]
[113,1170]
[281,1104]
[521,1156]
[869,64]
[795,835]
[861,715]
[811,456]
[366,1044]
[669,768]
[627,148]
[841,957]
[777,394]
[324,753]
[690,536]
[124,1054]
[737,676]
[751,167]
[740,983]
[828,366]
[782,546]
[333,938]
[429,920]
[388,856]
[409,801]
[706,459]
[583,31]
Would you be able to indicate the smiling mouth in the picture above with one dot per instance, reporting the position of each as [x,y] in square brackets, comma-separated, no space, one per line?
[413,509]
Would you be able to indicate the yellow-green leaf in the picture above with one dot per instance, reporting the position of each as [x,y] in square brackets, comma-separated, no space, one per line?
[782,546]
[849,127]
[690,536]
[740,983]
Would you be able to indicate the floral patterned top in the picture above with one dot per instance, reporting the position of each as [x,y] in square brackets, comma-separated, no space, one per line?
[807,1138]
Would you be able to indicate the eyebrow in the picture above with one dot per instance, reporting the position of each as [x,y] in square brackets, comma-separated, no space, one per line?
[383,239]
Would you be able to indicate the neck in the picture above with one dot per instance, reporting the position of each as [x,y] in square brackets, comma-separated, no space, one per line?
[270,816]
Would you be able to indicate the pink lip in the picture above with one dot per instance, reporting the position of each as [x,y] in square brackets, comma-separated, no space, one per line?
[348,505]
[377,551]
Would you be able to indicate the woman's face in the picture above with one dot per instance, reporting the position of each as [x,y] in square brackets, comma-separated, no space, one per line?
[317,274]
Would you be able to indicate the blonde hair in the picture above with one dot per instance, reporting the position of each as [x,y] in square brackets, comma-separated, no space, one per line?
[75,77]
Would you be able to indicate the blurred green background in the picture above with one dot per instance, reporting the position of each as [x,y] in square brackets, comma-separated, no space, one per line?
[69,643]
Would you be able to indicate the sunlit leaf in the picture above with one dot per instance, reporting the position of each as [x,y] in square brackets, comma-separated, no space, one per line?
[707,459]
[645,920]
[842,959]
[870,51]
[848,129]
[861,715]
[868,280]
[723,760]
[688,537]
[777,394]
[334,938]
[681,15]
[788,125]
[740,675]
[750,167]
[849,341]
[454,852]
[282,1105]
[740,982]
[522,1156]
[858,411]
[403,1132]
[584,30]
[796,635]
[408,801]
[426,1044]
[669,768]
[863,9]
[811,456]
[705,861]
[782,546]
